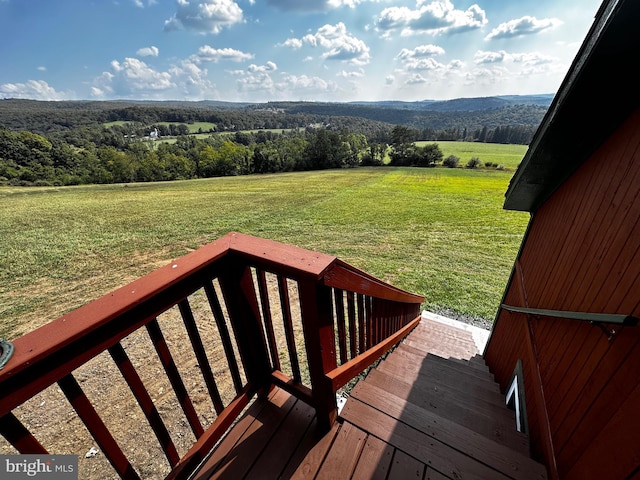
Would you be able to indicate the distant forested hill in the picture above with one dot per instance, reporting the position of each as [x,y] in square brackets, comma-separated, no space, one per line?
[470,114]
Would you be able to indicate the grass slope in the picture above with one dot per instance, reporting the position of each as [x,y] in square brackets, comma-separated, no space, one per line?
[438,232]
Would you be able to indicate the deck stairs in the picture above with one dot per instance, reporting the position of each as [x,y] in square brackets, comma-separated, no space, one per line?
[429,410]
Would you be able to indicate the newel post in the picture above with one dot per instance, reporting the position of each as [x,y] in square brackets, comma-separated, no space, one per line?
[241,300]
[319,337]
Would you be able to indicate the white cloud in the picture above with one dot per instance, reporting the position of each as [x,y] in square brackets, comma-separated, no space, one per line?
[207,53]
[140,3]
[267,67]
[294,43]
[42,68]
[415,79]
[297,83]
[421,51]
[424,64]
[522,26]
[352,74]
[439,17]
[337,43]
[148,52]
[315,5]
[482,57]
[528,59]
[34,89]
[132,78]
[209,16]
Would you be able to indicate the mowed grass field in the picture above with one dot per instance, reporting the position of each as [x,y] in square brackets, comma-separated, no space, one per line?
[438,232]
[508,155]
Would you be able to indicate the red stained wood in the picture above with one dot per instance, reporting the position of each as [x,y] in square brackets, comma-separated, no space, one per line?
[146,403]
[98,429]
[374,461]
[387,430]
[49,354]
[581,254]
[344,454]
[17,434]
[343,374]
[404,467]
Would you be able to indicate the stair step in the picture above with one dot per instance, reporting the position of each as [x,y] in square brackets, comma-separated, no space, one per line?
[488,421]
[486,450]
[437,367]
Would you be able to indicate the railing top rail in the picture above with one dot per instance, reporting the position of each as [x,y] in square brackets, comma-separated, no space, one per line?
[343,276]
[280,256]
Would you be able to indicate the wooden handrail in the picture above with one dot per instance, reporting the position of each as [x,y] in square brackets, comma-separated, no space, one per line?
[343,276]
[346,372]
[375,317]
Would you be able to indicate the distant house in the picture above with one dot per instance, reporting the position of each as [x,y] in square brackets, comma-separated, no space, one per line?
[567,325]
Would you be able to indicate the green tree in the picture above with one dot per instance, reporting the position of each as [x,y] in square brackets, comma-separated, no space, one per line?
[428,155]
[403,148]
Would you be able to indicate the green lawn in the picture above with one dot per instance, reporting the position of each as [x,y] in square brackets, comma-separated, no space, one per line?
[438,232]
[508,155]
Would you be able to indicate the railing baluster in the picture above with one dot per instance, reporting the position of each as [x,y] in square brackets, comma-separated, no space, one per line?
[268,320]
[201,356]
[351,311]
[320,340]
[97,428]
[138,389]
[362,333]
[19,436]
[241,300]
[285,304]
[221,323]
[160,344]
[342,335]
[369,321]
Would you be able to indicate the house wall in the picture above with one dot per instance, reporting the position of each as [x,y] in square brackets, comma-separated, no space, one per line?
[581,253]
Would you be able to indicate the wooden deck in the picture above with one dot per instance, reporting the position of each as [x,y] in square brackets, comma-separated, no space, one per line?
[417,415]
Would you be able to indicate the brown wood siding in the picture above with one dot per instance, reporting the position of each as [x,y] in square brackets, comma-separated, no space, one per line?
[582,253]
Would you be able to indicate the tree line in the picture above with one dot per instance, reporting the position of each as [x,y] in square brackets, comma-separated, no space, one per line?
[109,155]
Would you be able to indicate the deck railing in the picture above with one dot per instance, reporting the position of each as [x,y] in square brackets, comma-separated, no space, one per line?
[255,313]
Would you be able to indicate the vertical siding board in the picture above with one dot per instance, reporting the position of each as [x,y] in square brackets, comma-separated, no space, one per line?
[612,260]
[560,249]
[625,426]
[595,197]
[563,217]
[625,294]
[553,248]
[591,218]
[579,379]
[581,254]
[610,244]
[620,377]
[564,379]
[621,295]
[549,339]
[611,362]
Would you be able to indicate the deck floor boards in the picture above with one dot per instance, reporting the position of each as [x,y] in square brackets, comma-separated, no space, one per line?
[414,416]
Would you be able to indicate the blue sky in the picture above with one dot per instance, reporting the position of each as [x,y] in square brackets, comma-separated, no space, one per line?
[262,50]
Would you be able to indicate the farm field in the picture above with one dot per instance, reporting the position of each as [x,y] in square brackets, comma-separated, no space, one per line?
[508,155]
[438,232]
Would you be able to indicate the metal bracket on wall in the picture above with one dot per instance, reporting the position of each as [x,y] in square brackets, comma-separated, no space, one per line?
[609,332]
[6,351]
